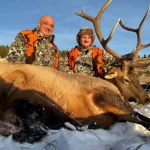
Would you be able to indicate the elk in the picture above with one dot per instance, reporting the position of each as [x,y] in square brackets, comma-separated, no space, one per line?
[124,76]
[78,98]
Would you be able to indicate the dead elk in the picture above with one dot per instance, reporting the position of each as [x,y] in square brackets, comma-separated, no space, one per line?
[78,98]
[124,76]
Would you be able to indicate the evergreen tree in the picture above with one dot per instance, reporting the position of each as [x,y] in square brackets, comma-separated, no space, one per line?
[4,51]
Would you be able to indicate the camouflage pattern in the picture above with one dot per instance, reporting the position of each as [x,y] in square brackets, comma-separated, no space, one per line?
[84,62]
[109,61]
[64,65]
[45,53]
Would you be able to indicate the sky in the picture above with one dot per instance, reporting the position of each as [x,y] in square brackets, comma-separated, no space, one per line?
[17,15]
[120,136]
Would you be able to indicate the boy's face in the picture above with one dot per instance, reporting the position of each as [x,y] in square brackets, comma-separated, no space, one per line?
[85,41]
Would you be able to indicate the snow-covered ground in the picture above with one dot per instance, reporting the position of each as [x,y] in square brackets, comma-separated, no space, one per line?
[120,136]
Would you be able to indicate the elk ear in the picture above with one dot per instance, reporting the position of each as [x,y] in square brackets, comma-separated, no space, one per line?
[111,74]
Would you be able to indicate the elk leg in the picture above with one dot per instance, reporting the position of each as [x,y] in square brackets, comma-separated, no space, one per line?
[142,120]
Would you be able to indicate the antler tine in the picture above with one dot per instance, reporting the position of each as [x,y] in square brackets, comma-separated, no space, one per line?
[96,23]
[84,15]
[113,30]
[139,45]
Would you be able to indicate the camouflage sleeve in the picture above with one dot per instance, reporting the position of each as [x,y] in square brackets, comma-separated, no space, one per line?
[108,60]
[17,50]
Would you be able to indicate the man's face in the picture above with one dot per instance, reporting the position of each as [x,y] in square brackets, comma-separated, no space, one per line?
[85,41]
[46,25]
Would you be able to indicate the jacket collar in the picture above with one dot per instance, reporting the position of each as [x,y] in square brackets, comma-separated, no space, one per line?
[40,35]
[83,50]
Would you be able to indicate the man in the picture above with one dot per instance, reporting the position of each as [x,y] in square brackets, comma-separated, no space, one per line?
[87,58]
[36,46]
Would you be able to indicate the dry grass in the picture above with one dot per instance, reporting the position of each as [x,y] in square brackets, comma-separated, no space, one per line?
[144,74]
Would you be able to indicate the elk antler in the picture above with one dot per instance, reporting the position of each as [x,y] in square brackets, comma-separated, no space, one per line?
[96,21]
[139,45]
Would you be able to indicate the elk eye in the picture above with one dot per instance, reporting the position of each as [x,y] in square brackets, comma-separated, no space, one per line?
[126,80]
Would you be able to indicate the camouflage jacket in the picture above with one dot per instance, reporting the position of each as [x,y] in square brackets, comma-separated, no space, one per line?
[63,64]
[84,62]
[44,53]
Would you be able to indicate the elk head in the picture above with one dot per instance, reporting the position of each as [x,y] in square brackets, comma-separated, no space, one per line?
[124,76]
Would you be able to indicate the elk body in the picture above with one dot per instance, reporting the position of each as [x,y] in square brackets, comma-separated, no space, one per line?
[79,98]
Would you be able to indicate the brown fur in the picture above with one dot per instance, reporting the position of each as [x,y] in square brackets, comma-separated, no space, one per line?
[81,97]
[128,84]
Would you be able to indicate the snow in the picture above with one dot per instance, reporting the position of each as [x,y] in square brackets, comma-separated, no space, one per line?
[120,136]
